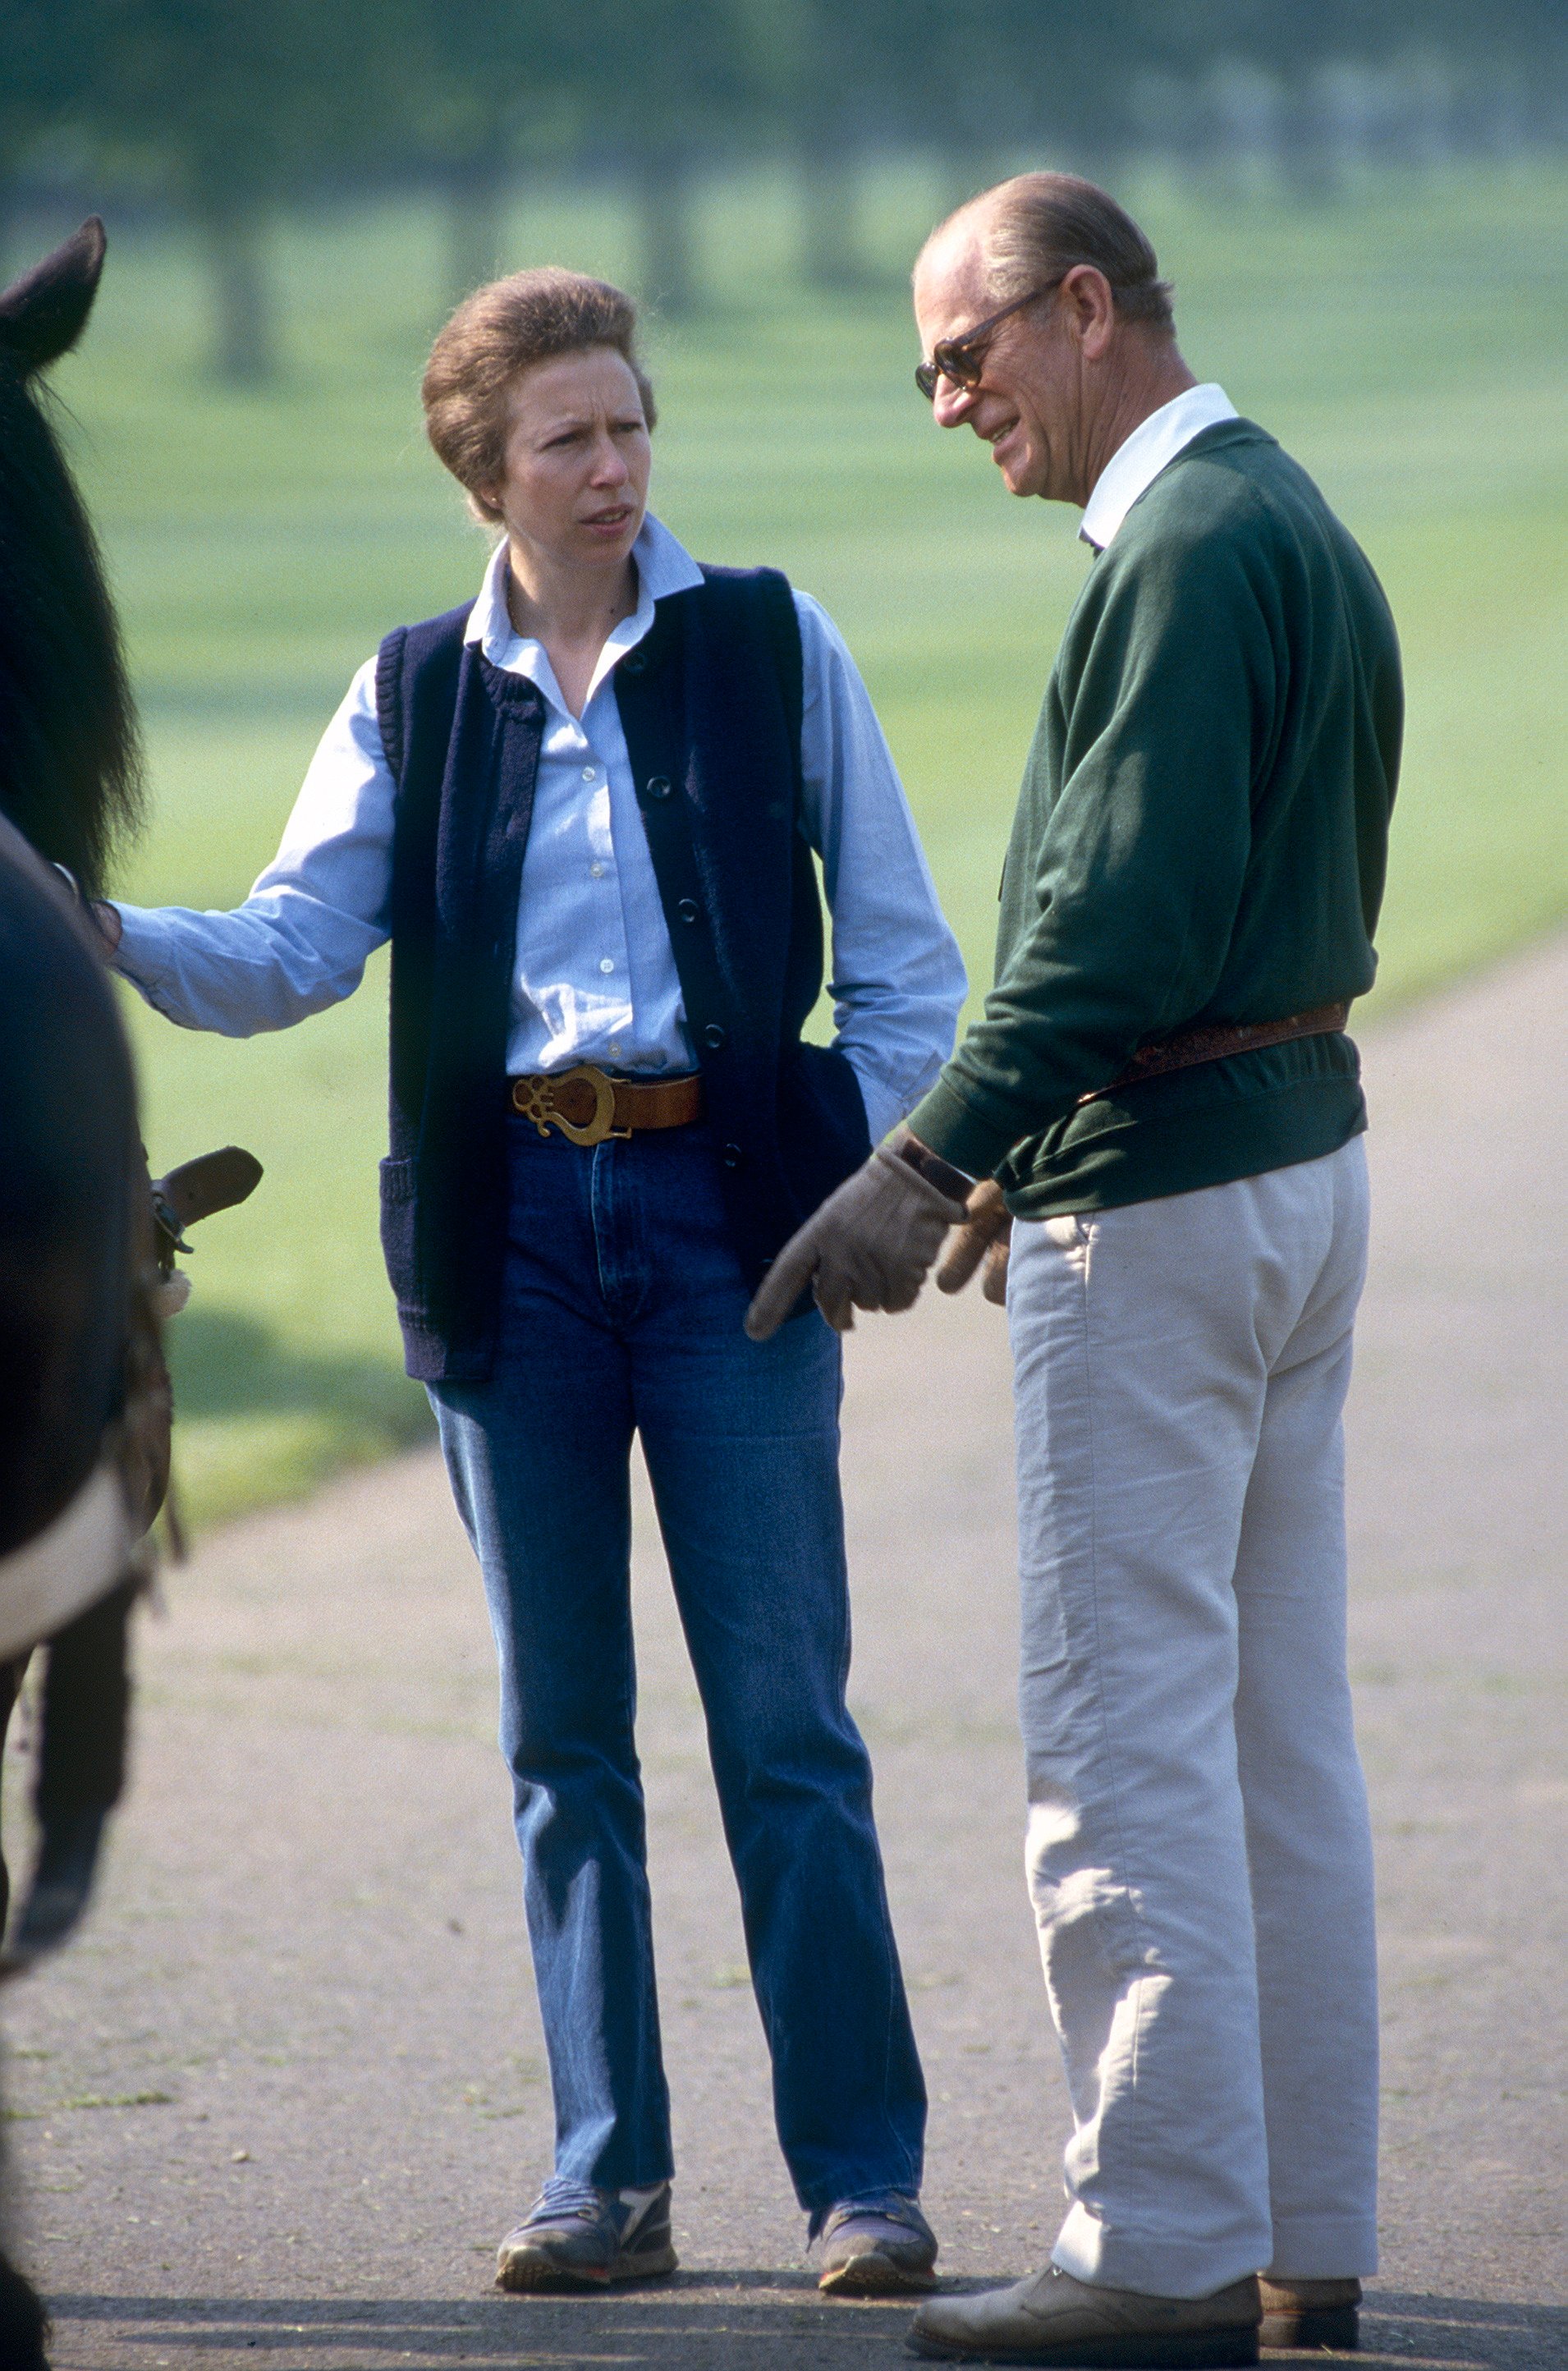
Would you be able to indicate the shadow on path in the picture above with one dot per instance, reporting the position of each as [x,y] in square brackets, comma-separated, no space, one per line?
[696,2322]
[1470,2332]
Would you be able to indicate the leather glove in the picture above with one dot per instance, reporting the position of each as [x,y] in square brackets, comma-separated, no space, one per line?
[868,1247]
[984,1236]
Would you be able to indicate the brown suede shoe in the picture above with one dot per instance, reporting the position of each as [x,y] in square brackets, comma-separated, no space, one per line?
[1311,2313]
[1051,2318]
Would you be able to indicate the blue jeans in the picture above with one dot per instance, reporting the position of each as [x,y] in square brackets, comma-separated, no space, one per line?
[622,1310]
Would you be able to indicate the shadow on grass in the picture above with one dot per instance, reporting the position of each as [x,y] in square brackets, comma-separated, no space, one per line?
[259,1420]
[226,1365]
[697,2322]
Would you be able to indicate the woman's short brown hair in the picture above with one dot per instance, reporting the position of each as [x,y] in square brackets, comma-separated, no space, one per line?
[496,334]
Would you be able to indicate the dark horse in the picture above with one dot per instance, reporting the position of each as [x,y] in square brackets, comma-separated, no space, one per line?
[84,1393]
[75,1238]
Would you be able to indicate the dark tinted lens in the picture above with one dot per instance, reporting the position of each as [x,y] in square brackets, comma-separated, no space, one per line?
[954,361]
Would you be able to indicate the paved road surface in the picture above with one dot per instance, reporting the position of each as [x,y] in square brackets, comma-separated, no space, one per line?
[279,2101]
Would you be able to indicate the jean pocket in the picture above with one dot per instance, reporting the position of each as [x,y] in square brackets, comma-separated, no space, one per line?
[399,1246]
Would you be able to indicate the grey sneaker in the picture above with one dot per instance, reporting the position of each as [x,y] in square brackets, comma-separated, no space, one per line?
[1311,2314]
[576,2237]
[877,2247]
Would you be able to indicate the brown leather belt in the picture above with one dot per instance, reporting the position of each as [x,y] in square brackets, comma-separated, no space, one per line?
[587,1104]
[1189,1046]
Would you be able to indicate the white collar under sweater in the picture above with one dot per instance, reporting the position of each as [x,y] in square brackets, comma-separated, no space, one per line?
[1152,447]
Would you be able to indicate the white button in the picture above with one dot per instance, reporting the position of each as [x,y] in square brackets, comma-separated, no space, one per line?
[614,1045]
[606,963]
[590,773]
[595,872]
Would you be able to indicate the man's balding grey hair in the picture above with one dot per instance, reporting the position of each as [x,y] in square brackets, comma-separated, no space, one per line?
[1038,225]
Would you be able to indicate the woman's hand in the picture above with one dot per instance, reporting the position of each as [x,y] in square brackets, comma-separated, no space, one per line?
[102,918]
[986,1236]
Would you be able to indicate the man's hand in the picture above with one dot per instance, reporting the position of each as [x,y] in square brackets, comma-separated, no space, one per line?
[985,1235]
[869,1246]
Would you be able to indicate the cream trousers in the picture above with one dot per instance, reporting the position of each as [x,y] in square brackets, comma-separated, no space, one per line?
[1198,1850]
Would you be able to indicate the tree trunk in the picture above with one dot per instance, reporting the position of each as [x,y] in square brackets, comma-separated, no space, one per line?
[664,196]
[966,168]
[833,256]
[8,221]
[1307,161]
[245,345]
[476,227]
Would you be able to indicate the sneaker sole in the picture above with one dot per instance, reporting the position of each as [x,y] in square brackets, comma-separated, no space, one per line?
[872,2275]
[1330,2328]
[1198,2350]
[533,2272]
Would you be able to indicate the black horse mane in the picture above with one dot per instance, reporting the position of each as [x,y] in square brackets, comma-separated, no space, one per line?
[70,757]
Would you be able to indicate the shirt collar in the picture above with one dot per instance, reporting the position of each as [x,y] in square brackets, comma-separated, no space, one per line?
[663,566]
[1152,447]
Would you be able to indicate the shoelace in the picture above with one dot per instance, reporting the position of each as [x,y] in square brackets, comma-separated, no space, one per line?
[564,2195]
[888,2206]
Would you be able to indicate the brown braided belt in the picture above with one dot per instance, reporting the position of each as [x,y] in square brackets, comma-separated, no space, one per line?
[1189,1046]
[587,1104]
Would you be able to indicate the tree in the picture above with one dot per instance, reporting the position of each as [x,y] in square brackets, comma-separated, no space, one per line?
[47,45]
[668,86]
[846,81]
[235,104]
[1350,79]
[487,84]
[826,70]
[973,81]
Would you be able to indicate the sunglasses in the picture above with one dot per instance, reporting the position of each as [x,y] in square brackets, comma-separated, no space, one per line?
[963,360]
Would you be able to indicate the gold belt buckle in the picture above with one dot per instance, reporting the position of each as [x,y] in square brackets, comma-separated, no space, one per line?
[538,1103]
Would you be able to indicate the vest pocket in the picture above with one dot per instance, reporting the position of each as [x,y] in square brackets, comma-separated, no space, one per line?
[397,1248]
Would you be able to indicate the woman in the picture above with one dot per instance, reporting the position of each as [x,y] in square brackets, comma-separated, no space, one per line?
[583,809]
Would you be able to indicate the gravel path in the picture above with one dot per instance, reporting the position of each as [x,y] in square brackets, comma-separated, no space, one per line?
[288,2089]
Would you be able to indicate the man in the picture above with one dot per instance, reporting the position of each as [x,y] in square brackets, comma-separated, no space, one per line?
[1161,1091]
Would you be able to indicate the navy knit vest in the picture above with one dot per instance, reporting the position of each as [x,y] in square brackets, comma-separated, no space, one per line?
[710,705]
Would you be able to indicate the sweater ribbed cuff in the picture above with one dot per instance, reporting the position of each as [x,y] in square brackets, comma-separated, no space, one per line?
[952,1127]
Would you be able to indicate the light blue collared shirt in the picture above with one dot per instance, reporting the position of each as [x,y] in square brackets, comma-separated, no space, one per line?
[595,975]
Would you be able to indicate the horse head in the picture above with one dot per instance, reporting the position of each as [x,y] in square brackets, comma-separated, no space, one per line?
[72,1182]
[69,765]
[44,311]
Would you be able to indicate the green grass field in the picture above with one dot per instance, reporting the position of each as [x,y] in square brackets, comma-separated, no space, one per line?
[1408,345]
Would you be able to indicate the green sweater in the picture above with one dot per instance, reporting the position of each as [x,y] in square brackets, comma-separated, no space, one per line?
[1201,837]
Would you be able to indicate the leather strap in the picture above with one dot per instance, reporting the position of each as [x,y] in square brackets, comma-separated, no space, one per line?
[658,1102]
[1189,1046]
[953,1183]
[587,1104]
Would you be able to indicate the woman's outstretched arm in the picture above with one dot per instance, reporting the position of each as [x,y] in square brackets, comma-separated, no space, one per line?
[300,939]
